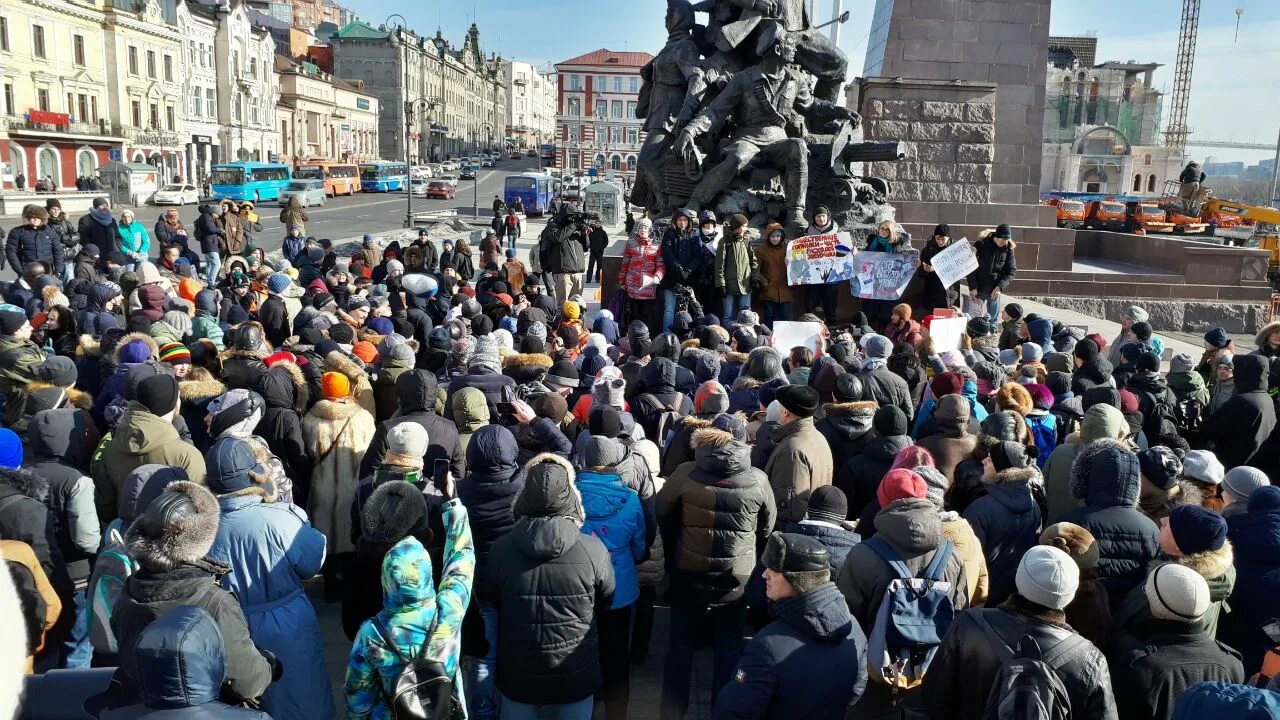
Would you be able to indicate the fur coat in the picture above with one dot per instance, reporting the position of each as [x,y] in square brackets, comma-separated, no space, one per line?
[361,386]
[337,434]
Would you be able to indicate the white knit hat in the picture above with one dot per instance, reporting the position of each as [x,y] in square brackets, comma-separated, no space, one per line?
[1203,466]
[1047,576]
[408,439]
[1176,592]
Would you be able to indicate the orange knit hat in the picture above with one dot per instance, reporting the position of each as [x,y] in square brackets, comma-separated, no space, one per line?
[365,351]
[335,386]
[188,287]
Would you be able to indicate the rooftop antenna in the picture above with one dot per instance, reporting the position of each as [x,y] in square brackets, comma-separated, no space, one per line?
[1239,14]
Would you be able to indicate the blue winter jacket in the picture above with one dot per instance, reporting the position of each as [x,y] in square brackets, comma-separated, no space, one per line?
[810,662]
[1224,700]
[615,517]
[180,663]
[293,249]
[1255,537]
[1007,522]
[272,548]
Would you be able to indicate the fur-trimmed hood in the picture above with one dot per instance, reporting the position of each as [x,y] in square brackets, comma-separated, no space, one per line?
[90,347]
[695,423]
[131,337]
[1028,475]
[735,357]
[33,486]
[526,367]
[340,363]
[75,397]
[1012,396]
[1209,564]
[183,542]
[746,383]
[199,390]
[1105,473]
[1261,338]
[710,437]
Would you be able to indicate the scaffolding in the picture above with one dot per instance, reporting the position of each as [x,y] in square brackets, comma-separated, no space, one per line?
[1076,100]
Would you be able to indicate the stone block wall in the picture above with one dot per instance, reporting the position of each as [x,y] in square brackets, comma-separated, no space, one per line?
[950,130]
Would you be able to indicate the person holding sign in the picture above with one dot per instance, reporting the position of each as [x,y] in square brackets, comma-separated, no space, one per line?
[888,239]
[937,295]
[822,295]
[997,267]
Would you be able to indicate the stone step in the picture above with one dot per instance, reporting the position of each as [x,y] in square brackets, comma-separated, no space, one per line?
[1043,248]
[987,214]
[1124,286]
[1101,277]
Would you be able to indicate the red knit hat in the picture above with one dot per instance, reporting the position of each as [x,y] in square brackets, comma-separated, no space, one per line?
[279,356]
[899,484]
[947,383]
[1128,401]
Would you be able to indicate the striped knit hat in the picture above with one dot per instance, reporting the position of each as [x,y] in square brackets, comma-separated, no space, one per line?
[175,353]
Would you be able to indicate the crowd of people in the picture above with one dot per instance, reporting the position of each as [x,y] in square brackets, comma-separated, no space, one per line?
[501,486]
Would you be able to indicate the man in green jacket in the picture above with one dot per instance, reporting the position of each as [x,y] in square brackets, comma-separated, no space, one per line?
[18,360]
[735,268]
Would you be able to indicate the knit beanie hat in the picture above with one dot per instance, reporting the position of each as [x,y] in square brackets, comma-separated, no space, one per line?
[175,353]
[1160,466]
[605,421]
[562,374]
[1241,481]
[601,451]
[889,421]
[732,424]
[335,386]
[1041,395]
[1087,350]
[828,503]
[1148,362]
[877,347]
[711,397]
[947,383]
[802,560]
[1176,592]
[936,485]
[10,449]
[1047,576]
[1075,541]
[57,370]
[1006,455]
[799,400]
[1032,352]
[381,325]
[1137,314]
[1202,466]
[278,283]
[158,393]
[899,484]
[365,350]
[134,351]
[1181,363]
[1217,338]
[394,511]
[179,321]
[486,354]
[609,389]
[1195,529]
[406,445]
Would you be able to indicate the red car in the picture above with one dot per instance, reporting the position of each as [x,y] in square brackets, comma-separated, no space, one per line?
[442,190]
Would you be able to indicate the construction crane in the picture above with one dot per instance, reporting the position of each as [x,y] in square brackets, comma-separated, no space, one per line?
[1176,132]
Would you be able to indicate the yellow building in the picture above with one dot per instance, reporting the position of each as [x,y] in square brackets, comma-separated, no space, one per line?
[55,116]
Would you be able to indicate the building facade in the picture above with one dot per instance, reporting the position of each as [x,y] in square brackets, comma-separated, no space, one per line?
[531,104]
[54,116]
[596,123]
[198,27]
[248,88]
[1102,127]
[328,118]
[437,101]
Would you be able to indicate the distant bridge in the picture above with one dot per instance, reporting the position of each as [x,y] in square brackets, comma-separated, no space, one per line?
[1226,144]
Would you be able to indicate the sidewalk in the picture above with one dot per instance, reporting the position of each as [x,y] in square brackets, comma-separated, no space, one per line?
[1108,328]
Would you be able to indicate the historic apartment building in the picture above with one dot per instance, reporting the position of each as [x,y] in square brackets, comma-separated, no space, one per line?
[596,123]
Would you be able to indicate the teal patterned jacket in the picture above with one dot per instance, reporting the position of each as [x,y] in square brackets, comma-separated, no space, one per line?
[412,610]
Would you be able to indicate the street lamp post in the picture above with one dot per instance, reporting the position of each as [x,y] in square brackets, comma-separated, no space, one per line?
[475,181]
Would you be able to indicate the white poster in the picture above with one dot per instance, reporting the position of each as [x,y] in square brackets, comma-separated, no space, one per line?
[787,335]
[955,262]
[946,332]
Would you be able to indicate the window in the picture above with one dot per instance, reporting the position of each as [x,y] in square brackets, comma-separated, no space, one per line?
[575,83]
[1146,159]
[151,64]
[42,99]
[633,136]
[136,115]
[169,120]
[168,68]
[575,108]
[631,108]
[1151,183]
[602,108]
[191,54]
[253,67]
[617,108]
[631,163]
[615,163]
[93,108]
[71,104]
[4,33]
[82,106]
[197,102]
[9,108]
[77,49]
[210,104]
[1137,183]
[133,60]
[635,85]
[617,87]
[154,115]
[37,41]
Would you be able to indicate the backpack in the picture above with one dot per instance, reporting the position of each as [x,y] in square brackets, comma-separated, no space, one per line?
[658,425]
[512,221]
[422,690]
[1192,412]
[1027,686]
[1158,416]
[110,572]
[914,616]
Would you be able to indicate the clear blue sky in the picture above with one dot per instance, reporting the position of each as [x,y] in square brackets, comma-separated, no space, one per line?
[1235,89]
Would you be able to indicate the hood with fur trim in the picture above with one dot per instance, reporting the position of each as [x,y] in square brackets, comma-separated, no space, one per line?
[1106,474]
[75,397]
[1029,475]
[151,343]
[200,390]
[710,437]
[340,363]
[526,367]
[1209,564]
[1012,396]
[184,542]
[33,486]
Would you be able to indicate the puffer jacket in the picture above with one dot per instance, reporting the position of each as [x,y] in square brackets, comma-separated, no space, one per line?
[135,241]
[1105,476]
[965,666]
[735,265]
[846,427]
[140,438]
[417,391]
[913,528]
[1102,422]
[485,379]
[997,266]
[1215,566]
[1007,522]
[57,455]
[683,256]
[799,464]
[772,263]
[208,230]
[180,663]
[952,443]
[886,388]
[1256,538]
[861,476]
[642,268]
[548,581]
[27,244]
[614,517]
[1159,660]
[490,487]
[714,514]
[1236,430]
[412,607]
[25,517]
[284,396]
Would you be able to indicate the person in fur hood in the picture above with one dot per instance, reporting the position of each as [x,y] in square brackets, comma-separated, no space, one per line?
[1196,538]
[170,542]
[1007,519]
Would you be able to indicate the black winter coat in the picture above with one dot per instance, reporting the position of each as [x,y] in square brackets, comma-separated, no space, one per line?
[27,245]
[241,369]
[25,517]
[417,390]
[1236,430]
[485,379]
[1255,537]
[997,267]
[284,395]
[105,237]
[1160,661]
[549,581]
[684,257]
[965,667]
[863,472]
[207,229]
[847,429]
[886,388]
[1007,522]
[563,250]
[275,320]
[491,485]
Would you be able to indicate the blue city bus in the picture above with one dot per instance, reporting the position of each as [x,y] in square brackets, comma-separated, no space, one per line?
[534,191]
[249,180]
[383,176]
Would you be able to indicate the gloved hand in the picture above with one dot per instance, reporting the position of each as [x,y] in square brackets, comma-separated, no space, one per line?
[277,667]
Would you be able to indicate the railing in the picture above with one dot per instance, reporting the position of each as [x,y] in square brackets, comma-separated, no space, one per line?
[101,129]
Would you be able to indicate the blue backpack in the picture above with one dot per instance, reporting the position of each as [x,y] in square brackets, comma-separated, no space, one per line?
[914,616]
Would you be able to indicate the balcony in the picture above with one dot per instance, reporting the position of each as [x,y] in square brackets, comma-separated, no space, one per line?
[22,126]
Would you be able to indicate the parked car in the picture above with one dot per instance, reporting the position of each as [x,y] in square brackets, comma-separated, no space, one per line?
[515,155]
[176,195]
[440,189]
[531,153]
[309,192]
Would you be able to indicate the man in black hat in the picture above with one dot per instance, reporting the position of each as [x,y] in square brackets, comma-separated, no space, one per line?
[810,661]
[997,267]
[936,295]
[801,459]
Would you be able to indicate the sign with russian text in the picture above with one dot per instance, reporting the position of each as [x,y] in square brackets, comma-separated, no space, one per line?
[881,276]
[955,262]
[819,259]
[42,117]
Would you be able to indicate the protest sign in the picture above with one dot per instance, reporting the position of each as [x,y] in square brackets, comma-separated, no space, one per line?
[955,262]
[882,276]
[946,333]
[787,335]
[819,259]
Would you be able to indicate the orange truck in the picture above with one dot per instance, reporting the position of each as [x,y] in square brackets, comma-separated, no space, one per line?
[1107,214]
[1071,213]
[1146,216]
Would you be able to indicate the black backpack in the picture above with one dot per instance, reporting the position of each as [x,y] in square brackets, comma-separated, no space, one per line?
[1027,686]
[422,690]
[663,420]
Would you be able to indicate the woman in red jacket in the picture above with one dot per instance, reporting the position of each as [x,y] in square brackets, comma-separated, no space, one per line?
[642,270]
